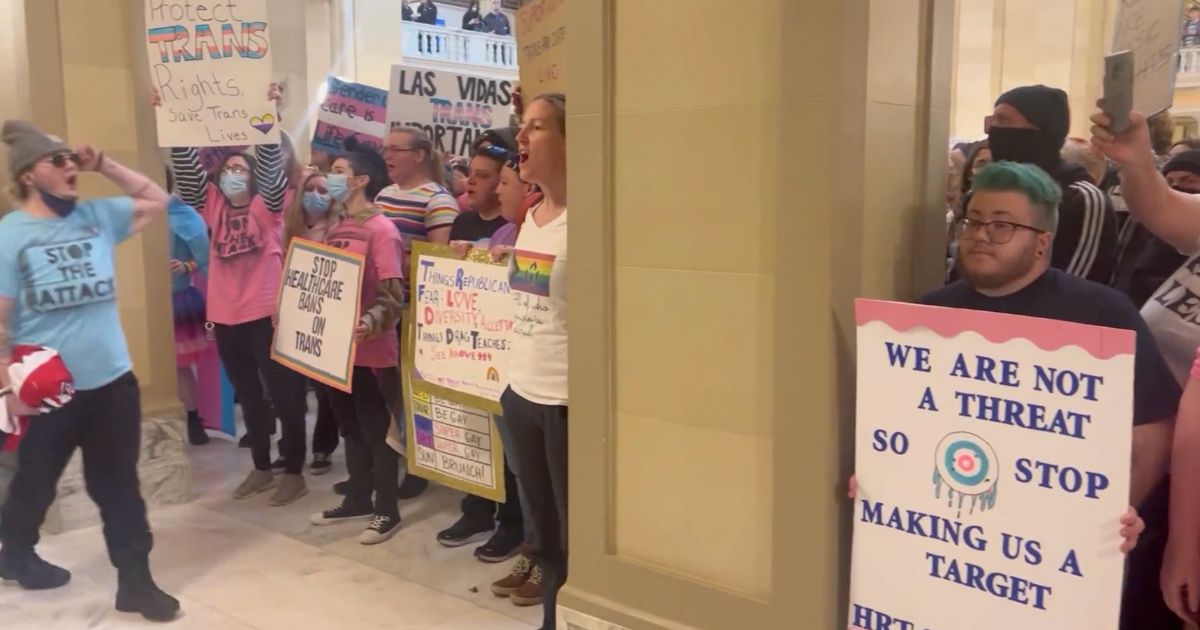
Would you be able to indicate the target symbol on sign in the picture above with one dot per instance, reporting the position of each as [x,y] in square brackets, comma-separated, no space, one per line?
[968,467]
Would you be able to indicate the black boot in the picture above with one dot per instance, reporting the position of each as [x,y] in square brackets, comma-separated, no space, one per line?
[195,427]
[31,572]
[411,487]
[137,592]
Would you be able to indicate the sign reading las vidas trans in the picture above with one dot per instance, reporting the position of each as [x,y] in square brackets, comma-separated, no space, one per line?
[211,63]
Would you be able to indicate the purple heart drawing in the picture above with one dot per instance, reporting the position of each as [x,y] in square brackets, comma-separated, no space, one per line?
[264,123]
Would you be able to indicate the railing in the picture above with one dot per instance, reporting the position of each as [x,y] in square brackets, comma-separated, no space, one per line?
[1189,67]
[451,45]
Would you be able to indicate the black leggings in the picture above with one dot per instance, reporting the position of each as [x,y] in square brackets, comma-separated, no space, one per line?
[106,424]
[245,351]
[365,417]
[325,431]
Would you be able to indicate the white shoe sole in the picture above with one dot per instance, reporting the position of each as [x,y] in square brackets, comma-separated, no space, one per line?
[320,519]
[319,471]
[473,538]
[370,537]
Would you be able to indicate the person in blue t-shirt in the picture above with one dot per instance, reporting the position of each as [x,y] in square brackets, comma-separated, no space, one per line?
[58,289]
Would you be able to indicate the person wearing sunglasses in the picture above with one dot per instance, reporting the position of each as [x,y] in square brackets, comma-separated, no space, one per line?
[243,207]
[57,289]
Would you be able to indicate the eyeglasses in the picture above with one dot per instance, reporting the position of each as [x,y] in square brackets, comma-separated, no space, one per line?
[998,232]
[396,149]
[60,160]
[236,170]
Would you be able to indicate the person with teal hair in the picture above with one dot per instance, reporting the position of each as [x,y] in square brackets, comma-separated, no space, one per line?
[189,256]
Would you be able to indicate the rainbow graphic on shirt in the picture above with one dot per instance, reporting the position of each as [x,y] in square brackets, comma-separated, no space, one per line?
[531,272]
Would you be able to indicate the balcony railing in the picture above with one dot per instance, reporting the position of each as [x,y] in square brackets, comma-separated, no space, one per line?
[1189,67]
[455,46]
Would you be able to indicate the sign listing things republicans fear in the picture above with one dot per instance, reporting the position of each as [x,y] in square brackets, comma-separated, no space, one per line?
[454,109]
[318,310]
[993,456]
[211,63]
[463,318]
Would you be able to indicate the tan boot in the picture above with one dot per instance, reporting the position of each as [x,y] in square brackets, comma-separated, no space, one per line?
[289,489]
[519,575]
[530,593]
[258,482]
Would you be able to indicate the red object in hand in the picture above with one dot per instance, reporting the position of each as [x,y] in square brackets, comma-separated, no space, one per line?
[39,378]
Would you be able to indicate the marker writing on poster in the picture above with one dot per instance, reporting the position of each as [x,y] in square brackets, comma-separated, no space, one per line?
[315,286]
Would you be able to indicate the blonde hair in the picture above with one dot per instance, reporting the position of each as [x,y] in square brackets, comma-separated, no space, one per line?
[293,217]
[421,141]
[557,101]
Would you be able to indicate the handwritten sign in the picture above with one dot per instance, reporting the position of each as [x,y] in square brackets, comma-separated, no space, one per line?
[351,109]
[454,109]
[541,47]
[450,441]
[993,460]
[211,63]
[317,312]
[463,322]
[1150,28]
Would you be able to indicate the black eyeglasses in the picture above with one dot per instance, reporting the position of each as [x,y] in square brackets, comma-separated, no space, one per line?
[60,160]
[998,232]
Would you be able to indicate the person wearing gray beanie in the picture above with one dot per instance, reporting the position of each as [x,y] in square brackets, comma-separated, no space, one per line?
[57,289]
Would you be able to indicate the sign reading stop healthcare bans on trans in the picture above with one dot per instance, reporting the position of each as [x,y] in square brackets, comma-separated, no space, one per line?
[460,324]
[318,310]
[350,109]
[211,62]
[454,109]
[993,460]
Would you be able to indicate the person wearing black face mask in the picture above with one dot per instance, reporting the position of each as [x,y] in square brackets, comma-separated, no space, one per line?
[1030,125]
[1148,261]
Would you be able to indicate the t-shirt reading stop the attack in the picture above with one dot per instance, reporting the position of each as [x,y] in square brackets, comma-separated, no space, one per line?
[1058,295]
[60,274]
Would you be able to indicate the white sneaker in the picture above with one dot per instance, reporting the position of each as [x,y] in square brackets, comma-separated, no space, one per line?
[381,528]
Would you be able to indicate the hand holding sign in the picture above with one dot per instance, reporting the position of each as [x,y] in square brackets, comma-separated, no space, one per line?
[1128,148]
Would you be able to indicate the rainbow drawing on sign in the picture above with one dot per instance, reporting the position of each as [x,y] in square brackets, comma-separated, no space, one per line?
[967,465]
[531,272]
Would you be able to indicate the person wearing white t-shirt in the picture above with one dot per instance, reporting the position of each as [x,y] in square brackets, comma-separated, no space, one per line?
[535,403]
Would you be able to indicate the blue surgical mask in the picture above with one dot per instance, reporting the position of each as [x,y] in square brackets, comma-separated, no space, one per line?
[315,203]
[59,205]
[234,184]
[339,186]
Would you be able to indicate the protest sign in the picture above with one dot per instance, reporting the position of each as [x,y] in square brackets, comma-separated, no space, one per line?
[463,323]
[350,109]
[212,65]
[454,109]
[317,312]
[541,47]
[451,443]
[1150,28]
[993,456]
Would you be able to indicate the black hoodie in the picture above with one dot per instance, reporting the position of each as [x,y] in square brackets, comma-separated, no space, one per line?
[1085,243]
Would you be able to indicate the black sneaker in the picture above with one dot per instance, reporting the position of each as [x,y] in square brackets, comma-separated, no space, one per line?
[31,572]
[380,529]
[320,464]
[339,488]
[504,544]
[464,532]
[342,514]
[412,487]
[244,442]
[278,466]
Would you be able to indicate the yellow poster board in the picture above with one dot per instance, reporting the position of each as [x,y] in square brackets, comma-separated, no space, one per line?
[451,435]
[541,47]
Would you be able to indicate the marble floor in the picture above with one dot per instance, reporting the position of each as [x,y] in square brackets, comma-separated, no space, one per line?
[245,565]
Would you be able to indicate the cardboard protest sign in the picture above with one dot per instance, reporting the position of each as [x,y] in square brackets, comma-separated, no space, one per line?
[318,309]
[454,109]
[1150,28]
[541,47]
[993,456]
[350,109]
[212,65]
[454,444]
[463,319]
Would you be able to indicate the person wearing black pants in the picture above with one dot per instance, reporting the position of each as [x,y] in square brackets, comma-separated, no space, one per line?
[325,432]
[245,351]
[57,289]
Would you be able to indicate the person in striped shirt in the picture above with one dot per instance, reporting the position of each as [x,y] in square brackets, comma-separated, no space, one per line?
[416,203]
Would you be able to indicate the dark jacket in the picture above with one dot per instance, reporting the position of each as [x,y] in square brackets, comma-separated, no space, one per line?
[1085,243]
[497,24]
[468,17]
[427,13]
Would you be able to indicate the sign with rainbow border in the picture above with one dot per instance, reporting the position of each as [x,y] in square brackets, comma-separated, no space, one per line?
[211,63]
[993,464]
